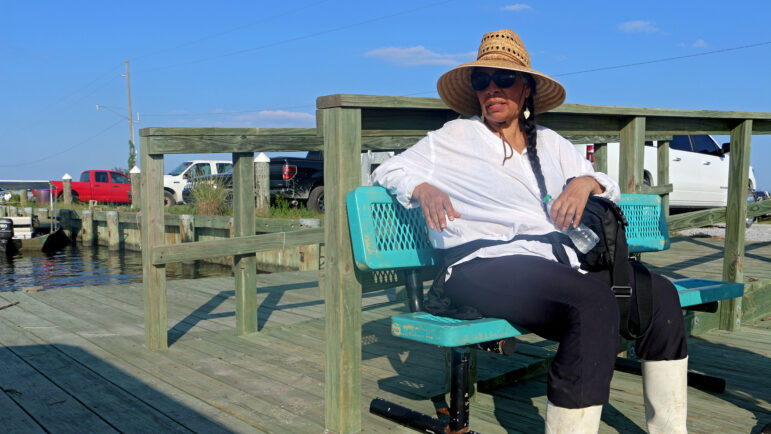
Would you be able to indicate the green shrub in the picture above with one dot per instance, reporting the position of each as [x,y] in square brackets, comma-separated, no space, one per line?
[210,198]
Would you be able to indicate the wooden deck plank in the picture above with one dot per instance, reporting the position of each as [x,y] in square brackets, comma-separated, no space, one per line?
[44,402]
[13,417]
[215,374]
[110,407]
[265,416]
[188,410]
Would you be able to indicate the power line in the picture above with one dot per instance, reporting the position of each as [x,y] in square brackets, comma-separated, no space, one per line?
[48,157]
[231,30]
[222,113]
[646,62]
[665,59]
[300,38]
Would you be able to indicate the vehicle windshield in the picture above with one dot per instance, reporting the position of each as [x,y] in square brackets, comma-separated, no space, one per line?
[181,168]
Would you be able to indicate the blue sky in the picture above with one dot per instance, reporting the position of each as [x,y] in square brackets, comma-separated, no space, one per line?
[263,64]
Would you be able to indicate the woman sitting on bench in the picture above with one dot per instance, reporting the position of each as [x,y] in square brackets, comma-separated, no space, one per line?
[486,177]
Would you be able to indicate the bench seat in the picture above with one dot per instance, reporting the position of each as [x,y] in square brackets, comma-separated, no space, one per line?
[694,291]
[450,332]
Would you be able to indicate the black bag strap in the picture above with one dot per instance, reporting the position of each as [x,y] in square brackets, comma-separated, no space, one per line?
[621,285]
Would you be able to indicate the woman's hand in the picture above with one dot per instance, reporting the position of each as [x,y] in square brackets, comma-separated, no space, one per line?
[435,204]
[569,206]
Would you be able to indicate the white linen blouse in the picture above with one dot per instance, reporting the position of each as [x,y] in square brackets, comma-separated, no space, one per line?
[496,200]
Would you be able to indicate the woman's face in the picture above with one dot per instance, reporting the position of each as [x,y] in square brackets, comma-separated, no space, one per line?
[502,105]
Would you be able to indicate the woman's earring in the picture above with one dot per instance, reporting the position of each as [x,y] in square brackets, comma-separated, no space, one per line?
[526,113]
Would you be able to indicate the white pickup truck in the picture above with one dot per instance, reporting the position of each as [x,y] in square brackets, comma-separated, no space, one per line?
[174,181]
[698,170]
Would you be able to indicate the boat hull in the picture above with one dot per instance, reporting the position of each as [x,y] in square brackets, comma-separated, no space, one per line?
[48,243]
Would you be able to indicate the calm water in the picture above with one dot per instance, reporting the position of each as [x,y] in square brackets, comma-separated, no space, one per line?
[83,266]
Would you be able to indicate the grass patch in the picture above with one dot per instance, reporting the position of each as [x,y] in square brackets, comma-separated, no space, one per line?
[211,198]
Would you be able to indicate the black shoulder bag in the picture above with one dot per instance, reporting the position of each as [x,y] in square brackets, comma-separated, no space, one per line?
[607,220]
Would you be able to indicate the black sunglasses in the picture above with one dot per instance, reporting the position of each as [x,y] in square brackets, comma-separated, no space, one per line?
[502,78]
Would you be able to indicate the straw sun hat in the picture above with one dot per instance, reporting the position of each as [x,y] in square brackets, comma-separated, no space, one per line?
[504,50]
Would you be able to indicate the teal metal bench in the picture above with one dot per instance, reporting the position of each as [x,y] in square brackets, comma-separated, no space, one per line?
[387,236]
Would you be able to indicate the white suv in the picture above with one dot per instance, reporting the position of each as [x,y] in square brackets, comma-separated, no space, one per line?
[174,181]
[698,170]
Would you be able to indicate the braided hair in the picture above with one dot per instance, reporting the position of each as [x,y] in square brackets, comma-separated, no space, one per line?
[528,125]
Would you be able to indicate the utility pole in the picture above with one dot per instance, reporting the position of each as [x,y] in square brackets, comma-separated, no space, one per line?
[132,151]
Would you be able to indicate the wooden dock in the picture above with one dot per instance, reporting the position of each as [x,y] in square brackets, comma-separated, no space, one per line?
[73,360]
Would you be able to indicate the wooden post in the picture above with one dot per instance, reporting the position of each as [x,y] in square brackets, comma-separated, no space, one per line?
[244,266]
[601,157]
[65,220]
[309,254]
[22,198]
[631,155]
[153,276]
[67,188]
[662,166]
[136,186]
[87,227]
[736,213]
[186,228]
[342,173]
[262,181]
[113,231]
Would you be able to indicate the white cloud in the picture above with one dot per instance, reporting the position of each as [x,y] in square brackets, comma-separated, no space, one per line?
[638,26]
[517,7]
[699,43]
[417,56]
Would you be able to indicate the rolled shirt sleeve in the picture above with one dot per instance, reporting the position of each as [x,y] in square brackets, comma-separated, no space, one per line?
[402,173]
[575,165]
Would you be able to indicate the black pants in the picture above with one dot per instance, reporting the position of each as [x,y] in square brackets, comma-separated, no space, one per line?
[578,310]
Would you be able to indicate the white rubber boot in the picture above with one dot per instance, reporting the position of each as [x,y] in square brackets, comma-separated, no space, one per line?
[572,420]
[665,387]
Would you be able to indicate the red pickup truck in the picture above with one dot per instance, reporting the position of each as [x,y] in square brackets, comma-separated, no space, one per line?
[99,185]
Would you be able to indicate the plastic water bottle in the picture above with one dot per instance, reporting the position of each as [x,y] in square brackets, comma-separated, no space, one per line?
[584,239]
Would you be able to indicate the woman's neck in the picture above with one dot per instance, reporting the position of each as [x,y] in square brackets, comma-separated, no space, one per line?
[510,133]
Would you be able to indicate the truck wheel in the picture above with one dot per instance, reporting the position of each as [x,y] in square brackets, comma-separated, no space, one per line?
[75,198]
[647,180]
[168,199]
[316,199]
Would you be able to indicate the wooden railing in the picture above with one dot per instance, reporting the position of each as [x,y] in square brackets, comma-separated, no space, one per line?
[242,143]
[350,123]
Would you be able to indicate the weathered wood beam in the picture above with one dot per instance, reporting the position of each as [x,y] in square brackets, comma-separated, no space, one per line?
[660,190]
[631,155]
[342,174]
[153,275]
[235,246]
[696,219]
[736,210]
[662,175]
[245,264]
[600,157]
[712,216]
[402,102]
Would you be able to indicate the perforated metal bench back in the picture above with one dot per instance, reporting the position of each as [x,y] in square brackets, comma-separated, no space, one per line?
[386,235]
[647,230]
